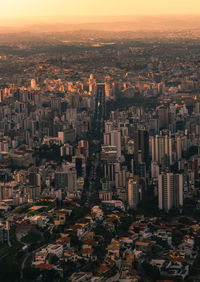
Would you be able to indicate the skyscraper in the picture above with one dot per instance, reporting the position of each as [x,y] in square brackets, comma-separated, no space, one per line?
[133,193]
[92,84]
[141,146]
[162,149]
[154,126]
[178,148]
[84,148]
[33,84]
[108,86]
[170,191]
[163,117]
[100,101]
[113,138]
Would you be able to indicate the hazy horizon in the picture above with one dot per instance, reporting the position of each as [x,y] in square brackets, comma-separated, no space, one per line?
[66,19]
[20,12]
[106,23]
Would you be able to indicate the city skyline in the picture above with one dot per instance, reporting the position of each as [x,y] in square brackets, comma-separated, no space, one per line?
[99,140]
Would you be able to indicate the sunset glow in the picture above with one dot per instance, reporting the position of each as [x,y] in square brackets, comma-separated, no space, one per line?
[45,10]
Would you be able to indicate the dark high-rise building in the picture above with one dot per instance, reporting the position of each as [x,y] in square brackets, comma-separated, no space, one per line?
[100,109]
[163,117]
[100,101]
[79,167]
[141,145]
[154,126]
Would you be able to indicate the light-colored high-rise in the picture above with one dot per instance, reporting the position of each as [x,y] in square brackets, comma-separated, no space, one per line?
[133,193]
[170,191]
[108,126]
[178,148]
[155,169]
[108,86]
[92,84]
[33,84]
[161,149]
[113,138]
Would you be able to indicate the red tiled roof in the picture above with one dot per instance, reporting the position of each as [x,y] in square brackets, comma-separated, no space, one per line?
[164,280]
[89,242]
[87,251]
[26,226]
[63,240]
[75,227]
[178,259]
[103,268]
[109,261]
[133,272]
[70,202]
[188,237]
[44,266]
[69,252]
[110,219]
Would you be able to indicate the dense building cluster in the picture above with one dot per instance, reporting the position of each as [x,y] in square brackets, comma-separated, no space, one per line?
[99,173]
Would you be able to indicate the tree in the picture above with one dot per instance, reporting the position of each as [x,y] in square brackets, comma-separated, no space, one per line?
[185,220]
[125,223]
[53,259]
[75,241]
[177,238]
[31,237]
[49,275]
[31,273]
[151,271]
[69,268]
[9,270]
[101,230]
[100,251]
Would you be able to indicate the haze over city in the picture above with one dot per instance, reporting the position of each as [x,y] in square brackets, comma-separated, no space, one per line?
[48,11]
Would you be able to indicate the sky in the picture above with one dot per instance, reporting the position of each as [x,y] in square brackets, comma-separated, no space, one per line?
[55,10]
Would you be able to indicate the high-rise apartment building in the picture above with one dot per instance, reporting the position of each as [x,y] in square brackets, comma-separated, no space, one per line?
[133,193]
[170,191]
[141,146]
[154,126]
[92,84]
[178,148]
[108,86]
[113,138]
[162,149]
[33,84]
[100,105]
[66,178]
[163,117]
[84,148]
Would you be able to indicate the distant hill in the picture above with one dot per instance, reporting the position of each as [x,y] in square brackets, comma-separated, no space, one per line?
[129,23]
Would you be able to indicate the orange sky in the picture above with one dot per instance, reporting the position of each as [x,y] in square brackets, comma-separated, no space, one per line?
[51,10]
